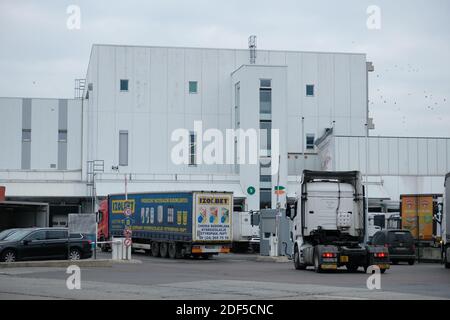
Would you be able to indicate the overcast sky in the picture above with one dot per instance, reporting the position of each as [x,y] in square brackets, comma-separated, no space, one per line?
[409,90]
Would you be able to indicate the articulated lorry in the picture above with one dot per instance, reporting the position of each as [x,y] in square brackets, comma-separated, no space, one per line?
[170,224]
[446,224]
[329,224]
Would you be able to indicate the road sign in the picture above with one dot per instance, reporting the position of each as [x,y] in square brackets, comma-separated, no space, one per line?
[127,242]
[127,221]
[127,212]
[279,190]
[251,190]
[127,233]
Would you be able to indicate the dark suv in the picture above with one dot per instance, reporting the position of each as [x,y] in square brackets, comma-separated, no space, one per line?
[400,244]
[44,244]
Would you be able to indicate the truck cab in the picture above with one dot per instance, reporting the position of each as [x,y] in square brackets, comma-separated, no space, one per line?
[329,226]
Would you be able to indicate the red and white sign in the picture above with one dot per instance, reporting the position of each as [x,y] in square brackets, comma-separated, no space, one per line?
[127,212]
[127,242]
[127,233]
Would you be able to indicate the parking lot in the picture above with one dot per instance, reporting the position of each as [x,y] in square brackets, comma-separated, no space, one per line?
[232,276]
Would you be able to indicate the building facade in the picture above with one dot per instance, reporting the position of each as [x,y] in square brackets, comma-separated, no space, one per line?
[70,151]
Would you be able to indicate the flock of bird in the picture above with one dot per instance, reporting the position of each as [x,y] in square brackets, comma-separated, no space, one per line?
[430,102]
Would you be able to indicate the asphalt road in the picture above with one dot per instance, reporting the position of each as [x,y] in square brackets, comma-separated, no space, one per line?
[230,276]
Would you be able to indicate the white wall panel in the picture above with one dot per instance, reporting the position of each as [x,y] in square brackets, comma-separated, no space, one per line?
[10,133]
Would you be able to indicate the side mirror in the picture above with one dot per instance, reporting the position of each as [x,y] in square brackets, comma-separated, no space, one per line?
[288,211]
[25,242]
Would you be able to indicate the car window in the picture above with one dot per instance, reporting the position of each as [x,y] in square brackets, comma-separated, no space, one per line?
[76,236]
[56,234]
[38,235]
[6,233]
[400,236]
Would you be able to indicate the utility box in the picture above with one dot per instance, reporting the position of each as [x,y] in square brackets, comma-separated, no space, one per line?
[119,250]
[268,225]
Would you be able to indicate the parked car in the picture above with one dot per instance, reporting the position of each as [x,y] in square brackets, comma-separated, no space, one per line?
[44,244]
[399,242]
[6,233]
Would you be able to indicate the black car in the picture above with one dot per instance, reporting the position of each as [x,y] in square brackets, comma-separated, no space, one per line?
[5,233]
[44,244]
[400,244]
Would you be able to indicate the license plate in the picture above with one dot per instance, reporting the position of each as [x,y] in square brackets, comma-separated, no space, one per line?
[344,259]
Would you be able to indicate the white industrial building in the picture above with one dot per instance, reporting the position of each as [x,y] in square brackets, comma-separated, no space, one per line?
[64,151]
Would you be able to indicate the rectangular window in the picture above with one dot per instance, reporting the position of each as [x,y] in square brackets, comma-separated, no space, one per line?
[123,84]
[192,147]
[62,135]
[310,90]
[193,87]
[265,101]
[310,141]
[264,137]
[123,148]
[265,198]
[265,83]
[26,135]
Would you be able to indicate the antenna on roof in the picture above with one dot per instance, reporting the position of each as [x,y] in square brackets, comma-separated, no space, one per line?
[252,48]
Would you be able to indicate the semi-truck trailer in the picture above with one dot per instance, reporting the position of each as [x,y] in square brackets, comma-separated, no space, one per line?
[446,224]
[170,224]
[328,224]
[245,235]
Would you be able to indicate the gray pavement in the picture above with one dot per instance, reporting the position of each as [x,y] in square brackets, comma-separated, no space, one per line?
[225,277]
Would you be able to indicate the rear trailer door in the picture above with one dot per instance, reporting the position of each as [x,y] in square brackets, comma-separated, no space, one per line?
[212,221]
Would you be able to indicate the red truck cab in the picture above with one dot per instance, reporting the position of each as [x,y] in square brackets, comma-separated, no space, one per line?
[103,224]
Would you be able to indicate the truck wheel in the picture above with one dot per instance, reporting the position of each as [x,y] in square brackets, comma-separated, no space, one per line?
[297,264]
[163,249]
[317,266]
[155,249]
[174,251]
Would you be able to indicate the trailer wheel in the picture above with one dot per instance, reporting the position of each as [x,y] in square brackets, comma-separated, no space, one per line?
[163,249]
[317,266]
[297,264]
[155,249]
[174,251]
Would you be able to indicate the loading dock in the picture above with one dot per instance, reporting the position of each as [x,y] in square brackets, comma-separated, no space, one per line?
[23,214]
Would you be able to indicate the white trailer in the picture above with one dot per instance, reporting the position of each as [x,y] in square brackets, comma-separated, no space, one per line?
[245,235]
[329,224]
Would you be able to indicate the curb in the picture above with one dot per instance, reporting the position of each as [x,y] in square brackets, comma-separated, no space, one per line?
[66,263]
[279,259]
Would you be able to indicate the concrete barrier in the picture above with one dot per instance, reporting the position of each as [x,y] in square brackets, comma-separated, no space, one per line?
[65,263]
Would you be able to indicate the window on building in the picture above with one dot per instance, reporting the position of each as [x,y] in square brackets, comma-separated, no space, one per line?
[265,178]
[310,141]
[192,147]
[62,135]
[123,84]
[310,90]
[265,138]
[265,198]
[123,148]
[265,101]
[193,87]
[265,83]
[26,135]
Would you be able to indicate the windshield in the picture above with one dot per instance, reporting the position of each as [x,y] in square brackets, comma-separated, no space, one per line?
[5,233]
[17,235]
[400,236]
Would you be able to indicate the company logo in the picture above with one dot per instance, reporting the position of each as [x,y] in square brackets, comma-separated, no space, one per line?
[119,206]
[210,147]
